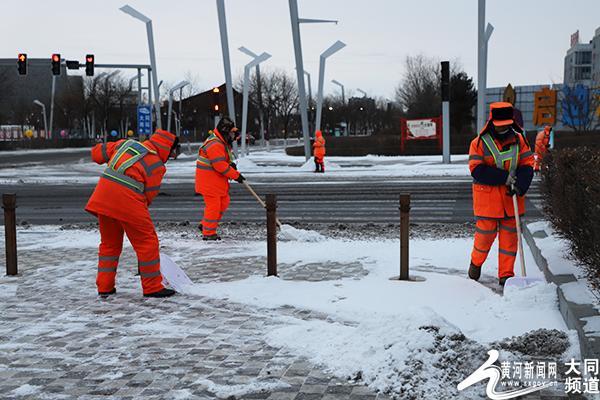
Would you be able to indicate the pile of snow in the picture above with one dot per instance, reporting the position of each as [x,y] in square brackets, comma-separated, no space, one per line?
[246,164]
[288,232]
[234,391]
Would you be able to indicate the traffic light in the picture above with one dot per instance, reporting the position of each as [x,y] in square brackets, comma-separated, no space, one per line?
[89,65]
[445,81]
[55,64]
[215,100]
[22,63]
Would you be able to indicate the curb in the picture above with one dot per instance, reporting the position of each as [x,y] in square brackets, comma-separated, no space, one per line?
[572,313]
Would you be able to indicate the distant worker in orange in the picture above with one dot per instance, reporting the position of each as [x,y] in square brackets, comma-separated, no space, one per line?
[319,152]
[542,144]
[501,164]
[120,201]
[214,168]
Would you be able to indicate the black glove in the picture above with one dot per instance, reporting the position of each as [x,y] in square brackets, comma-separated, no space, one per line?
[233,165]
[240,179]
[512,190]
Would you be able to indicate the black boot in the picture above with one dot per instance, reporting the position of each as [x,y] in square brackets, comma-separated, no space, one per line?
[212,238]
[502,281]
[104,295]
[161,293]
[474,272]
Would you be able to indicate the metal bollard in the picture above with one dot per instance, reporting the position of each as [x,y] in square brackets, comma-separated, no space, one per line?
[404,234]
[271,204]
[9,204]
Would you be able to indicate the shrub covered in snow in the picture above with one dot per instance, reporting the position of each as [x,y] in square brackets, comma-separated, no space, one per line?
[571,187]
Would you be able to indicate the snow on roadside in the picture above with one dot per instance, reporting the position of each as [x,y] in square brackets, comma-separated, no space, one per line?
[253,386]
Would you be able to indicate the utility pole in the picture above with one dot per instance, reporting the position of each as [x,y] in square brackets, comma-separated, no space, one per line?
[446,112]
[483,36]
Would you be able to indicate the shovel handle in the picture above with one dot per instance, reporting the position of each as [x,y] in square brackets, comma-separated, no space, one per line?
[519,235]
[257,197]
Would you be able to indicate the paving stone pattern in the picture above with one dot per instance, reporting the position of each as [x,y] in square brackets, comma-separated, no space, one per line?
[58,340]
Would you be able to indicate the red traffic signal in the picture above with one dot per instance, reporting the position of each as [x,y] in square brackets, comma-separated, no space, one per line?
[55,64]
[22,63]
[89,65]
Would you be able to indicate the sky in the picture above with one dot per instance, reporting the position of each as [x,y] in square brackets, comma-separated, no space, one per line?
[527,47]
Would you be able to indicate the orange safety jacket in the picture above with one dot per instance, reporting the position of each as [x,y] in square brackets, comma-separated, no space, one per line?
[492,201]
[213,166]
[542,143]
[319,146]
[133,176]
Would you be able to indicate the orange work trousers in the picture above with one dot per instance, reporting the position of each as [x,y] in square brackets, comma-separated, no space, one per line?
[144,240]
[214,208]
[486,231]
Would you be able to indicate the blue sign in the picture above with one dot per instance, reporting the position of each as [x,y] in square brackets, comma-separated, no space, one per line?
[576,105]
[144,113]
[186,132]
[114,133]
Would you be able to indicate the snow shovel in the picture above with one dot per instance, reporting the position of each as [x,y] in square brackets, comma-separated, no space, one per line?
[523,280]
[257,197]
[288,231]
[173,275]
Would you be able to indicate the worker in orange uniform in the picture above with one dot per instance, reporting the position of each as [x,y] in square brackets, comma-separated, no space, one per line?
[319,152]
[542,144]
[501,163]
[214,168]
[120,201]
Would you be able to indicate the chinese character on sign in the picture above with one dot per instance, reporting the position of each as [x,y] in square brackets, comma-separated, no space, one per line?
[552,367]
[144,119]
[517,370]
[572,367]
[505,367]
[541,370]
[573,385]
[544,107]
[591,386]
[528,369]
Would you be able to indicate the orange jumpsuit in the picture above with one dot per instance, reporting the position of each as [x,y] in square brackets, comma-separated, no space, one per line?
[542,144]
[319,152]
[120,201]
[492,206]
[213,171]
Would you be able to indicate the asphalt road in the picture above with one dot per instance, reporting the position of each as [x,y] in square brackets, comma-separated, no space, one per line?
[434,200]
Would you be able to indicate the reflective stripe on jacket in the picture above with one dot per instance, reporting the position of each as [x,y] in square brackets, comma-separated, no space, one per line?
[491,201]
[133,177]
[213,166]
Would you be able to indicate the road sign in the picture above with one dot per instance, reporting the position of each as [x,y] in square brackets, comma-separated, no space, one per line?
[186,132]
[144,113]
[114,133]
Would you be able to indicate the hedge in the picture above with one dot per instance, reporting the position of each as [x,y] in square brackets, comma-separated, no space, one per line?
[571,195]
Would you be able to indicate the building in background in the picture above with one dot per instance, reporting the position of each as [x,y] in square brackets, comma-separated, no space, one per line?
[596,59]
[539,104]
[578,61]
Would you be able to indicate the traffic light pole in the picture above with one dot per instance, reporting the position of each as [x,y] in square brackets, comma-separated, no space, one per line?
[52,106]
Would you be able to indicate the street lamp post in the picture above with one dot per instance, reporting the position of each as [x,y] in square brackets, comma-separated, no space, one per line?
[39,103]
[334,48]
[362,91]
[226,64]
[342,87]
[296,21]
[483,37]
[259,90]
[137,15]
[175,88]
[247,68]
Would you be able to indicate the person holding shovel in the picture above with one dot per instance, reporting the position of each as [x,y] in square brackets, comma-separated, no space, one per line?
[501,164]
[120,202]
[214,168]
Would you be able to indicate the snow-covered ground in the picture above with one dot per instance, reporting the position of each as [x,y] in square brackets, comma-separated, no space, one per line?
[260,164]
[376,329]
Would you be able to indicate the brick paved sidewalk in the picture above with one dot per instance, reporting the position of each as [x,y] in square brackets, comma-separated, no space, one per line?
[58,340]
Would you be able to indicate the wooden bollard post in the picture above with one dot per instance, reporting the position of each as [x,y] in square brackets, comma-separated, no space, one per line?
[404,233]
[271,204]
[9,204]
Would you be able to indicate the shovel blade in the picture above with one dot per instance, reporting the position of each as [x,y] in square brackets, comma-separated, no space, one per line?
[521,282]
[173,275]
